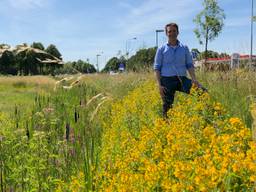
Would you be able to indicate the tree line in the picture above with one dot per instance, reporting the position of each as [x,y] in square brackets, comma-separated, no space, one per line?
[30,61]
[35,59]
[144,58]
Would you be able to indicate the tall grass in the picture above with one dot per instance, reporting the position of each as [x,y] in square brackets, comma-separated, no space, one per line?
[59,136]
[232,89]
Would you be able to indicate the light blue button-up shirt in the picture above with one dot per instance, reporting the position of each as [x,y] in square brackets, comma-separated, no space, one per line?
[173,61]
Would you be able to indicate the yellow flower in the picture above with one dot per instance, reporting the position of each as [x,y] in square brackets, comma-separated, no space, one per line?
[253,178]
[234,120]
[185,152]
[197,180]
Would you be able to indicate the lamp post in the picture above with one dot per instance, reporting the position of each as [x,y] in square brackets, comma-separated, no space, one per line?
[252,19]
[97,60]
[127,46]
[97,64]
[158,31]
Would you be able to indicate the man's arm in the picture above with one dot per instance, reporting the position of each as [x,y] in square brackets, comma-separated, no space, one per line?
[190,67]
[158,65]
[192,74]
[157,74]
[157,68]
[162,89]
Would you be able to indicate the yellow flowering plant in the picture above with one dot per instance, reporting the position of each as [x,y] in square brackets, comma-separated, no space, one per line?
[199,147]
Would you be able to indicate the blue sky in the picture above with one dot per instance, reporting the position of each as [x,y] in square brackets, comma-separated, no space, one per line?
[82,29]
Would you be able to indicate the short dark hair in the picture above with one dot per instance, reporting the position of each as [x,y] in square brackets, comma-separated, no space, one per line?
[172,25]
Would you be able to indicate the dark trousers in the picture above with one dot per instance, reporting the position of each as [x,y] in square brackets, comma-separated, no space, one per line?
[173,84]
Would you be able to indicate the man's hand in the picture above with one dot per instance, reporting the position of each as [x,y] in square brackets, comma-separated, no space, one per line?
[162,90]
[196,83]
[193,77]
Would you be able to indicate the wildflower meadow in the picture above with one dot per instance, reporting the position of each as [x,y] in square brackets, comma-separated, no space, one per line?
[106,133]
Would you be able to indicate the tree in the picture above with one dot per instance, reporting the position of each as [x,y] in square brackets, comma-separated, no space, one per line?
[142,61]
[37,45]
[52,49]
[7,63]
[212,54]
[210,22]
[195,50]
[195,53]
[112,65]
[4,46]
[83,67]
[76,67]
[224,55]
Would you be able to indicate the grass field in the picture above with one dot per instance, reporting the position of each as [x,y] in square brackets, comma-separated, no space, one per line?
[20,91]
[57,137]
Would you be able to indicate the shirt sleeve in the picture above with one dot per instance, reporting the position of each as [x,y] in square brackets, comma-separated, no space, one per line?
[158,60]
[189,61]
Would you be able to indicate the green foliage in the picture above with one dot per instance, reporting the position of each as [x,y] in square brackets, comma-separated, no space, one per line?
[195,50]
[142,60]
[29,60]
[209,22]
[83,67]
[8,63]
[112,65]
[37,45]
[52,49]
[4,46]
[66,69]
[254,18]
[212,54]
[231,89]
[76,67]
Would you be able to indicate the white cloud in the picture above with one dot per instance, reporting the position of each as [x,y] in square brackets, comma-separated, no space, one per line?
[150,14]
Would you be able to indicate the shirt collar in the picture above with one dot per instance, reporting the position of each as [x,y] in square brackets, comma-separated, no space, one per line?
[178,43]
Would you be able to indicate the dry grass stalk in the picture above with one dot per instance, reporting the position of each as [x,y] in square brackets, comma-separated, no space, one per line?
[93,98]
[68,79]
[98,106]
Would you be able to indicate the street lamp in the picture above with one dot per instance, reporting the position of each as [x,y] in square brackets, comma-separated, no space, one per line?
[97,64]
[127,46]
[97,60]
[158,31]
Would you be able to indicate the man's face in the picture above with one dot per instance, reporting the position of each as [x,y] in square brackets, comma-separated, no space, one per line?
[172,32]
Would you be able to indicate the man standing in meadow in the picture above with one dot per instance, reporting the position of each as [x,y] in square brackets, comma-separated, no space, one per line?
[172,61]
